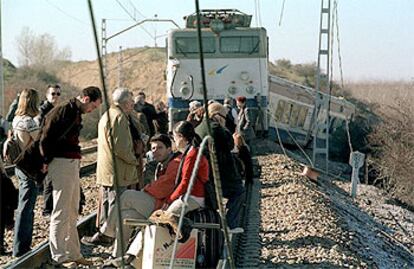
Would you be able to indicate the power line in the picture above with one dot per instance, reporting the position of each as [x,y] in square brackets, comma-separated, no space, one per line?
[260,13]
[126,10]
[65,13]
[281,13]
[256,12]
[136,10]
[338,41]
[133,17]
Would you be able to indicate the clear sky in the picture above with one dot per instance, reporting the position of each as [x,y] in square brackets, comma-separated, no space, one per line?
[376,36]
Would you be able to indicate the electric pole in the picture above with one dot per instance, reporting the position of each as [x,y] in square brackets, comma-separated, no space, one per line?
[1,70]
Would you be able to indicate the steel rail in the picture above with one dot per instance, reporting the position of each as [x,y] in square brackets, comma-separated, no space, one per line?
[84,151]
[41,255]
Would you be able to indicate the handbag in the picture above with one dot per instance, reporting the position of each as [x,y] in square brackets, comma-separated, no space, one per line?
[31,162]
[12,153]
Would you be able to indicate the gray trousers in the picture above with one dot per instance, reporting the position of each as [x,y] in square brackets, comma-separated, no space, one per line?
[108,201]
[63,235]
[134,204]
[175,208]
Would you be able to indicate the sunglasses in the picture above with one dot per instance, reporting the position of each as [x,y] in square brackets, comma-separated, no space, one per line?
[55,93]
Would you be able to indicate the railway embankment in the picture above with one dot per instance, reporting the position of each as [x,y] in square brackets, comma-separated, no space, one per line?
[307,224]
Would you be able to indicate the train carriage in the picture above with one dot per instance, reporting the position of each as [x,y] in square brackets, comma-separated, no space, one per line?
[290,110]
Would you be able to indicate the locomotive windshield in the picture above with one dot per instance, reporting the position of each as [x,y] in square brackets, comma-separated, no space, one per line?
[239,44]
[188,45]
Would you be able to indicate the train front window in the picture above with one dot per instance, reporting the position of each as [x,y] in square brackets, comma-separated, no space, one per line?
[189,45]
[239,44]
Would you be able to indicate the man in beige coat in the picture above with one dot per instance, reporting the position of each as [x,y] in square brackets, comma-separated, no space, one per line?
[127,160]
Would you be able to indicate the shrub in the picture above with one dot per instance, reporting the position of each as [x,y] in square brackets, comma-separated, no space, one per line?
[393,144]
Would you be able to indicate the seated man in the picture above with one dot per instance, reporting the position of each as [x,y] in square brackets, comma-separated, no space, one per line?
[141,204]
[187,142]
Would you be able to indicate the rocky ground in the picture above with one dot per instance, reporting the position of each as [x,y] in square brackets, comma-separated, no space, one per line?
[306,224]
[41,224]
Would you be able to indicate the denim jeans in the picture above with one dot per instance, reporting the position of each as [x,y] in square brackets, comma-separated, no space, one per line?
[48,196]
[234,206]
[23,227]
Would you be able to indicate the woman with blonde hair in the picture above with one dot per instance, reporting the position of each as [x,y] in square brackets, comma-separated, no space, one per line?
[25,131]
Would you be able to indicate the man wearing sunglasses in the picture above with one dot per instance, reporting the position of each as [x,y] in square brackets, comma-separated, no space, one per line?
[52,99]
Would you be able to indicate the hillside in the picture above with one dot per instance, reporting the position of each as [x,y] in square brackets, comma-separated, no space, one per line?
[143,68]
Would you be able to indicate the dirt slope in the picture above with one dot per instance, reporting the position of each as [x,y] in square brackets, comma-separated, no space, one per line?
[143,68]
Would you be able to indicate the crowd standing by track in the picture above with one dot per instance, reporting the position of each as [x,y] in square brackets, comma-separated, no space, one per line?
[56,129]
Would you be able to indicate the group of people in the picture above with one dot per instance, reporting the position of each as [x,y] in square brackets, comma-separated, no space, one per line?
[54,127]
[175,156]
[126,131]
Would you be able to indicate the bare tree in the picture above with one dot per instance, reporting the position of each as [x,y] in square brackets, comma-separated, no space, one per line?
[25,44]
[40,51]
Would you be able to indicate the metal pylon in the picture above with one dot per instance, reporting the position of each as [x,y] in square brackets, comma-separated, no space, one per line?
[104,57]
[320,116]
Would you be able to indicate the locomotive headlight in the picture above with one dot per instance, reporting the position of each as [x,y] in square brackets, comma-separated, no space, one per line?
[250,90]
[185,91]
[232,90]
[244,76]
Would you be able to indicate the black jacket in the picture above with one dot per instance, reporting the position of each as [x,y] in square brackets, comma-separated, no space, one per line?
[150,113]
[231,181]
[45,107]
[9,199]
[60,133]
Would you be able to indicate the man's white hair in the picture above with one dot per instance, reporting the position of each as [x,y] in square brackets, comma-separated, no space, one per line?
[120,95]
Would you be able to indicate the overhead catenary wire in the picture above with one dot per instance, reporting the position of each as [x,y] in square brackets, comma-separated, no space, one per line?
[282,10]
[338,41]
[65,13]
[111,139]
[259,12]
[133,17]
[256,11]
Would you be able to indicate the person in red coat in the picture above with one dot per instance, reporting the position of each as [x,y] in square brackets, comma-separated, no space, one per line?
[186,142]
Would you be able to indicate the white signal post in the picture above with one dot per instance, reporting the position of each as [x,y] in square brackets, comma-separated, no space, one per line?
[356,160]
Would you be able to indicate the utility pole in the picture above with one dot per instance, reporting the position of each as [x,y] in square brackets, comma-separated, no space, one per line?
[155,32]
[320,114]
[120,71]
[1,112]
[104,60]
[1,69]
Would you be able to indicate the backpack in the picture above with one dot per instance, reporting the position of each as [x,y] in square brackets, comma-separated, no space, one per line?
[12,153]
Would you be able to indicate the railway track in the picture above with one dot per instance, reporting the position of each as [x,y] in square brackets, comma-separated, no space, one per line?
[39,257]
[40,254]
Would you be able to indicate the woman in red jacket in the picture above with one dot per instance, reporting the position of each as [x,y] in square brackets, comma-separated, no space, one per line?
[186,141]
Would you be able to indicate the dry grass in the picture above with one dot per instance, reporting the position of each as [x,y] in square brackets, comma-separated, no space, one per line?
[381,93]
[392,140]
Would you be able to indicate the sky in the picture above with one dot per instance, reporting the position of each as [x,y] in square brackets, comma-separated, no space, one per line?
[376,37]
